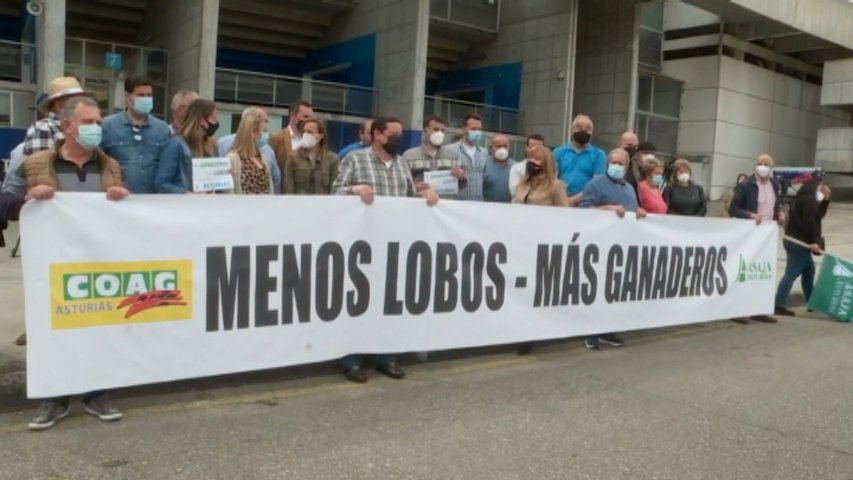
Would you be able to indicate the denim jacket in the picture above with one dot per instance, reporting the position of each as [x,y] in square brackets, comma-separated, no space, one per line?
[136,153]
[174,169]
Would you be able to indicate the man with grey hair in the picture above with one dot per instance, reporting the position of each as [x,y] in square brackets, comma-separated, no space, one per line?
[498,167]
[579,161]
[611,192]
[180,103]
[223,146]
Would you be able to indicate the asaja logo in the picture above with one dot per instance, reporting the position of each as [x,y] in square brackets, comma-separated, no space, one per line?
[840,270]
[753,271]
[92,294]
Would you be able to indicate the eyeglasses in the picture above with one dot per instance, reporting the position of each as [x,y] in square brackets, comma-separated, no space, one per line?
[137,133]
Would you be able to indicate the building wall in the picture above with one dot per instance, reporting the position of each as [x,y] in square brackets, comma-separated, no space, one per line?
[733,111]
[188,31]
[401,28]
[538,35]
[678,15]
[605,67]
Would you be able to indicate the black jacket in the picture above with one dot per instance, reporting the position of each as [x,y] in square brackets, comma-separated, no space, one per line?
[745,200]
[806,215]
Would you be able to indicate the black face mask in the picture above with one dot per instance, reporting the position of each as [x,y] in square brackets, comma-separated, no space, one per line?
[582,138]
[393,145]
[632,152]
[211,129]
[533,169]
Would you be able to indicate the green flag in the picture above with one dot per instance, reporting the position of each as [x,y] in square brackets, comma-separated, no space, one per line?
[833,292]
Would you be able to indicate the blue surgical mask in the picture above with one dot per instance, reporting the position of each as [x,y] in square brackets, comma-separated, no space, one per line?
[89,136]
[264,140]
[657,179]
[474,136]
[616,171]
[143,105]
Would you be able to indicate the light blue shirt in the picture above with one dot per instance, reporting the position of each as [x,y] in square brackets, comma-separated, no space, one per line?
[14,183]
[349,149]
[496,181]
[136,148]
[223,145]
[576,169]
[603,191]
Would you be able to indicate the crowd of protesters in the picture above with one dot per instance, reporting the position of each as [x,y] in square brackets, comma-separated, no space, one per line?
[70,148]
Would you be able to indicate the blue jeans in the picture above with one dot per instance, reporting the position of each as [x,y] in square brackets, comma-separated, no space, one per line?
[800,262]
[351,361]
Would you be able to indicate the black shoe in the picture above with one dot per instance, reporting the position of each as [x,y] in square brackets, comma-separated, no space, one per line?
[612,340]
[740,320]
[356,374]
[763,318]
[391,371]
[784,312]
[103,408]
[50,412]
[524,349]
[592,343]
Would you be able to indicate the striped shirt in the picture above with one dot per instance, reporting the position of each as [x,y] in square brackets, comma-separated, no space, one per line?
[363,167]
[474,167]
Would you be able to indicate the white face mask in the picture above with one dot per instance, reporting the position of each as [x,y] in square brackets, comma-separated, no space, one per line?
[309,140]
[820,196]
[501,154]
[762,171]
[436,138]
[683,177]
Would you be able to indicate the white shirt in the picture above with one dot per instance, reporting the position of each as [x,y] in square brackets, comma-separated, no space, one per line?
[295,142]
[515,173]
[471,151]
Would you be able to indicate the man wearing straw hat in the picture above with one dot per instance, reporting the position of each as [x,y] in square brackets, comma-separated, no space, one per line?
[43,134]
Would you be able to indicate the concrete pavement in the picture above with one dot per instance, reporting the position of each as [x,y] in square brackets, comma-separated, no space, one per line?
[711,401]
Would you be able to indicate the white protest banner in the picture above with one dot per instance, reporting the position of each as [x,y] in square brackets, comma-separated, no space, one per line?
[210,174]
[156,288]
[442,182]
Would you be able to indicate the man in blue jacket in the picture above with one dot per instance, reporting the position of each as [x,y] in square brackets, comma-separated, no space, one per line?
[579,160]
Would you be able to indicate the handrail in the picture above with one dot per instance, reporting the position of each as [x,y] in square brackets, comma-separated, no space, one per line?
[295,79]
[471,104]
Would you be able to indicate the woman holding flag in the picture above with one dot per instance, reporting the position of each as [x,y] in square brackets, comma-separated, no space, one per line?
[803,237]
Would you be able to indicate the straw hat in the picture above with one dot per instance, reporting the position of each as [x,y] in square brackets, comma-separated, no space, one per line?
[60,88]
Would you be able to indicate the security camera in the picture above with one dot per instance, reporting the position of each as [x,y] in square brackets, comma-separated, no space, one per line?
[35,7]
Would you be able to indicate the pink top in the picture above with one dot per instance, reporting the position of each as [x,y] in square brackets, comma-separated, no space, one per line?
[651,199]
[766,199]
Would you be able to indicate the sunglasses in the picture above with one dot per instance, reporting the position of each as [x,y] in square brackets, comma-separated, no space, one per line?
[137,133]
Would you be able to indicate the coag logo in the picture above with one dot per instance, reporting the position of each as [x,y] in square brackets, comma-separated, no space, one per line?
[753,271]
[90,294]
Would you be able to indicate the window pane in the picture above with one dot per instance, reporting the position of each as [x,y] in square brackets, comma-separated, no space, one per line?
[225,87]
[255,89]
[644,93]
[667,97]
[663,133]
[5,109]
[156,65]
[651,48]
[651,16]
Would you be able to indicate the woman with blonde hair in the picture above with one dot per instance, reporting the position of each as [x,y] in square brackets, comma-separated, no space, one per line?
[539,185]
[311,169]
[195,140]
[682,196]
[249,166]
[648,189]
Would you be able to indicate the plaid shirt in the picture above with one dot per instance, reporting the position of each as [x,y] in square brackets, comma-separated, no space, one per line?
[43,134]
[363,167]
[475,169]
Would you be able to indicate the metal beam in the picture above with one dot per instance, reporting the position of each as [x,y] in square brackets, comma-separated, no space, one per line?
[279,10]
[108,13]
[819,57]
[95,25]
[440,54]
[758,31]
[273,38]
[254,47]
[798,43]
[140,5]
[447,44]
[243,19]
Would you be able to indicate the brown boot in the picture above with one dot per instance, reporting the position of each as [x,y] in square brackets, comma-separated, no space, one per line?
[22,340]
